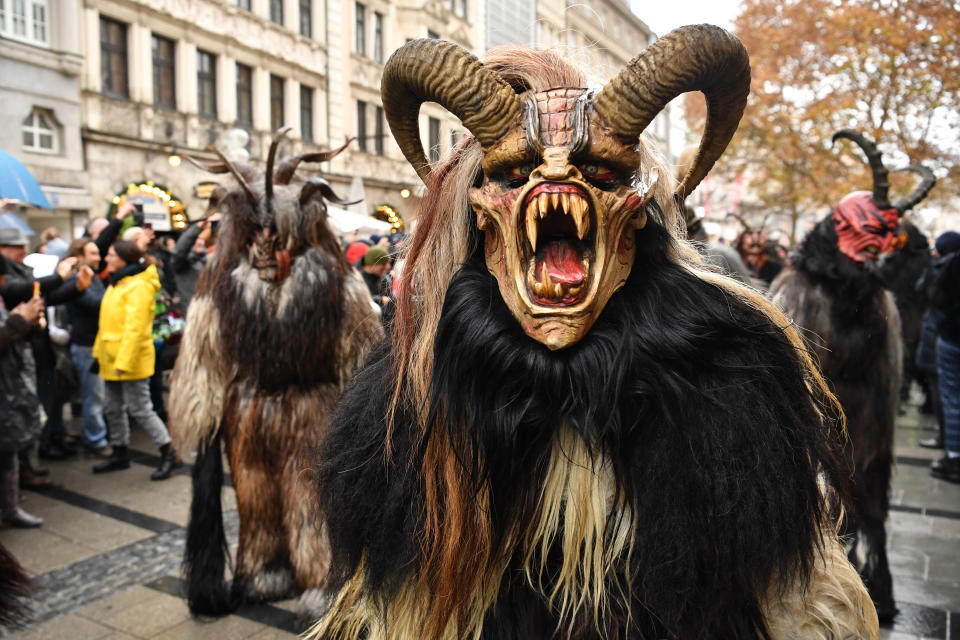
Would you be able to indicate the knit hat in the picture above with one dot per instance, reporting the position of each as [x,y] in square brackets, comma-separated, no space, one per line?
[129,252]
[12,237]
[948,242]
[375,255]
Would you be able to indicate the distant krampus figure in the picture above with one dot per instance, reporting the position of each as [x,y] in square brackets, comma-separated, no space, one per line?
[277,326]
[764,257]
[833,290]
[587,433]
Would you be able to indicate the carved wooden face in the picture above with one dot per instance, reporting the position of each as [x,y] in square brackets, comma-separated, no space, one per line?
[864,230]
[560,202]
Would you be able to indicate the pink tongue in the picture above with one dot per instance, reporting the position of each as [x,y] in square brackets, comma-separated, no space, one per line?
[563,263]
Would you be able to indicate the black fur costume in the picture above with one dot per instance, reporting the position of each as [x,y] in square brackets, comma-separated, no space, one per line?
[855,329]
[698,400]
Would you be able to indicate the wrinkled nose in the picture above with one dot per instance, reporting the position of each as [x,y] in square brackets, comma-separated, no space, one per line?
[556,165]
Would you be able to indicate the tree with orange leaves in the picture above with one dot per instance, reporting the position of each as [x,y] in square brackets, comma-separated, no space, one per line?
[887,68]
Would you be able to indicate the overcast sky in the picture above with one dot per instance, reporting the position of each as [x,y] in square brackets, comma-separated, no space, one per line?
[663,16]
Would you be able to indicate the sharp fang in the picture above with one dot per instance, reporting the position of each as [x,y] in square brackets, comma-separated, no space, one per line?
[545,277]
[557,291]
[555,200]
[580,216]
[544,201]
[532,230]
[538,288]
[565,202]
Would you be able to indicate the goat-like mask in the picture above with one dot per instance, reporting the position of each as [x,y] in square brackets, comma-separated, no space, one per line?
[563,190]
[272,242]
[865,222]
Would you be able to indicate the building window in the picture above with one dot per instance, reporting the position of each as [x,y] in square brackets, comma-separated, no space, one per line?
[113,58]
[276,11]
[244,96]
[24,20]
[378,141]
[360,37]
[454,138]
[306,18]
[433,34]
[164,91]
[206,84]
[434,139]
[306,113]
[243,4]
[459,8]
[276,102]
[361,125]
[39,132]
[378,37]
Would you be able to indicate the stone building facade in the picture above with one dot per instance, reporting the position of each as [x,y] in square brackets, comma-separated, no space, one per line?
[135,86]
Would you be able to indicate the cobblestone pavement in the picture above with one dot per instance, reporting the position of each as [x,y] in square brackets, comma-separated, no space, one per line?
[107,558]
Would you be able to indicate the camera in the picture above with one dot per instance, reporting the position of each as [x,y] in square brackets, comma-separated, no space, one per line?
[138,214]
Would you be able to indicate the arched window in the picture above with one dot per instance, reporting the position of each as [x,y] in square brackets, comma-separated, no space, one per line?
[40,131]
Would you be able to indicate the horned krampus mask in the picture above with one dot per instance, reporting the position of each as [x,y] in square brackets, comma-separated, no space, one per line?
[272,218]
[563,191]
[866,223]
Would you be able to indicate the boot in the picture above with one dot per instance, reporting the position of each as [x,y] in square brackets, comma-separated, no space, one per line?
[30,479]
[27,463]
[168,462]
[12,514]
[119,459]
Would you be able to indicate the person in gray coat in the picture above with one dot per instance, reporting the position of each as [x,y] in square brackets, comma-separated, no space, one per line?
[20,416]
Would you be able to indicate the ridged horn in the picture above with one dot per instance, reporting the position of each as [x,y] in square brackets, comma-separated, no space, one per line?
[927,180]
[285,173]
[881,177]
[225,166]
[428,70]
[692,58]
[271,158]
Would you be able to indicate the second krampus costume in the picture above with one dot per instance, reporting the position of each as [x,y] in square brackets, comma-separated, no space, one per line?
[277,325]
[833,289]
[589,434]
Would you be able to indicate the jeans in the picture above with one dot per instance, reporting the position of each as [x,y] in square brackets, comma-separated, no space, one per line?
[132,397]
[46,392]
[948,367]
[91,390]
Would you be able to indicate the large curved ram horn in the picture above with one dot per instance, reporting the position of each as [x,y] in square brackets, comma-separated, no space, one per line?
[881,178]
[927,180]
[692,58]
[285,173]
[225,166]
[428,70]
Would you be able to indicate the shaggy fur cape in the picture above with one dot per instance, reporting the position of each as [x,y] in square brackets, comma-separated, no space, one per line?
[660,478]
[261,365]
[854,328]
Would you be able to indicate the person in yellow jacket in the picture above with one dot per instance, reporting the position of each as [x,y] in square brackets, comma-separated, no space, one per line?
[124,352]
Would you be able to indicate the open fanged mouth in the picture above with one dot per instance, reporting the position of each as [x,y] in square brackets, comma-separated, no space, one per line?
[559,248]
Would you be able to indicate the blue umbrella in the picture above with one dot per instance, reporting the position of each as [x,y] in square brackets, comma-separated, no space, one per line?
[16,183]
[10,220]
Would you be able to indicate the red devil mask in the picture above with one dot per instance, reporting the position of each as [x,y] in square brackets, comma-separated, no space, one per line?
[864,230]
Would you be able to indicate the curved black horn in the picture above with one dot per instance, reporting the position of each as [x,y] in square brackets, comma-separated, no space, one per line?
[881,178]
[927,180]
[225,166]
[428,70]
[271,158]
[692,58]
[316,185]
[287,169]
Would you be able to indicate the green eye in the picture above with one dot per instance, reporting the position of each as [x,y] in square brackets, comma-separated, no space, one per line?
[520,171]
[591,169]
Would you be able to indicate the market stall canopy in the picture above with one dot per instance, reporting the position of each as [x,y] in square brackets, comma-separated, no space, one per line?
[16,183]
[344,222]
